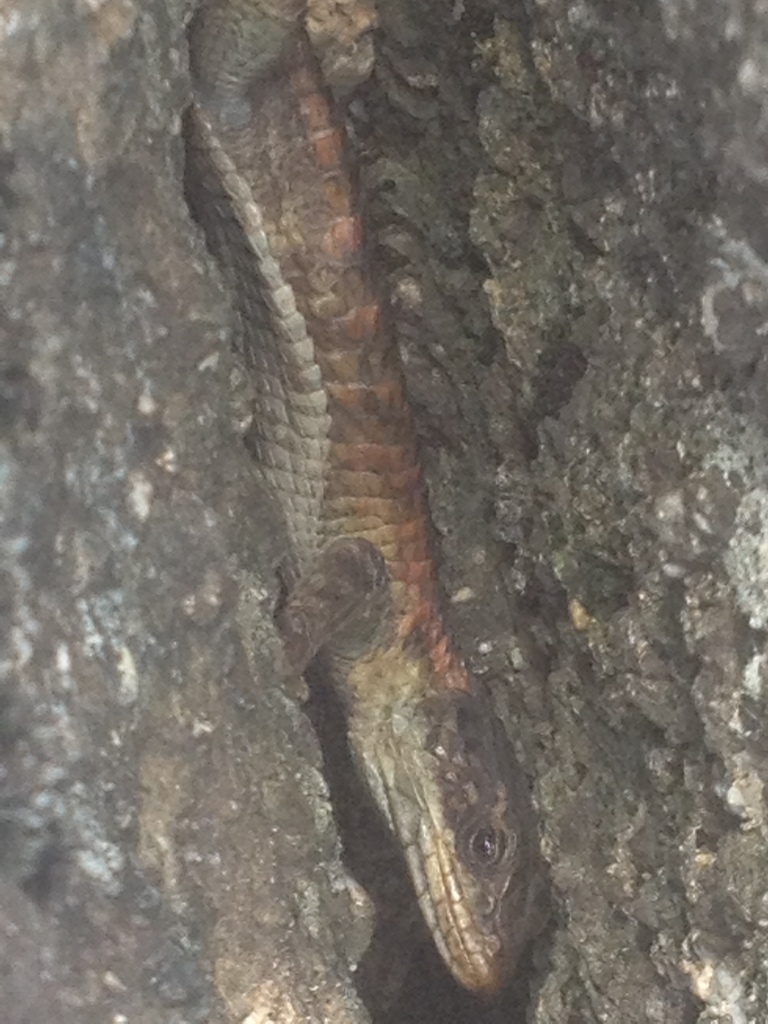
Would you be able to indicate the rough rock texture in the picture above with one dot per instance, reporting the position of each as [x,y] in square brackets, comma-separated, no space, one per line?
[567,202]
[593,176]
[166,841]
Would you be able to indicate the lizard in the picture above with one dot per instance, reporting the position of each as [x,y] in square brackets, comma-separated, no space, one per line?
[335,439]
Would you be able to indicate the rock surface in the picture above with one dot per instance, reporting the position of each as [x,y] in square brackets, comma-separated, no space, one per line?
[567,207]
[167,840]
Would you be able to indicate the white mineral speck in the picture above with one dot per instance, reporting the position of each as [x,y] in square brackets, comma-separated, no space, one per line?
[129,678]
[140,495]
[146,403]
[753,683]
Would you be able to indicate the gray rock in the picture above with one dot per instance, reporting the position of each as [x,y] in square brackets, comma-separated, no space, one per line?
[567,209]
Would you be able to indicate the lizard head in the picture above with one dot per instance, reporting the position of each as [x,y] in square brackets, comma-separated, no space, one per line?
[444,773]
[486,883]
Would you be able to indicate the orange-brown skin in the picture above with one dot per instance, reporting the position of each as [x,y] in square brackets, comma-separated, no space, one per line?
[375,488]
[336,442]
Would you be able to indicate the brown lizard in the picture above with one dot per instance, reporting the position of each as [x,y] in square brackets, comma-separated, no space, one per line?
[337,446]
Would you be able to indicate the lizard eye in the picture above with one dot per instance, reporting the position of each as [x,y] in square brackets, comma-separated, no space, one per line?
[488,845]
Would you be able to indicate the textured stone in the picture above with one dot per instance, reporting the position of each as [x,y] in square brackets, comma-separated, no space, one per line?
[167,847]
[567,212]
